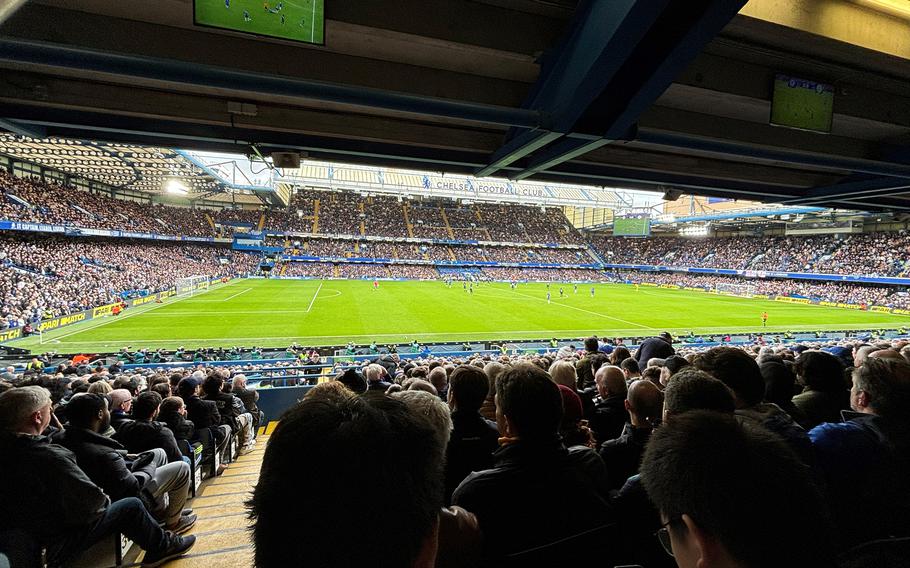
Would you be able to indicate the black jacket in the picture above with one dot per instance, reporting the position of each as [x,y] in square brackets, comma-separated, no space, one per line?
[653,347]
[248,397]
[138,436]
[471,447]
[622,455]
[119,418]
[182,428]
[104,461]
[45,493]
[537,493]
[229,408]
[203,413]
[609,418]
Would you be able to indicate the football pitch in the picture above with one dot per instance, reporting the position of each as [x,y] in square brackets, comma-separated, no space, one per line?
[299,20]
[271,313]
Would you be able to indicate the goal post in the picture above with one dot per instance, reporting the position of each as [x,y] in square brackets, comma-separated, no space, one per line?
[191,285]
[745,290]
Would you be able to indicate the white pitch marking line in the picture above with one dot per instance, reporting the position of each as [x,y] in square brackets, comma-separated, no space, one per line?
[237,294]
[314,297]
[587,311]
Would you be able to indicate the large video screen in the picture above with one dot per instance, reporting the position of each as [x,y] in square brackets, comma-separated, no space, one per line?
[798,103]
[631,226]
[297,20]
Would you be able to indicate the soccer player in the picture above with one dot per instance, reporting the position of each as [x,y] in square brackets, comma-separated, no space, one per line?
[575,286]
[561,292]
[764,319]
[636,286]
[464,285]
[282,19]
[246,16]
[592,291]
[548,294]
[471,288]
[227,3]
[375,285]
[265,6]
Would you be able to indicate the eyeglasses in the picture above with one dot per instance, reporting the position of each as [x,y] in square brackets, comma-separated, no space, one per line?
[663,535]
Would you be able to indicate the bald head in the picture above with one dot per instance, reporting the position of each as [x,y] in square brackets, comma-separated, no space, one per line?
[886,354]
[644,403]
[610,381]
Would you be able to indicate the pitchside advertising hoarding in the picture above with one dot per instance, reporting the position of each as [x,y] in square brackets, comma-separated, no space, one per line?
[85,315]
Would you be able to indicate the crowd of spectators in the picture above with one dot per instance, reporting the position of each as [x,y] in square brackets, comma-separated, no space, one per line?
[49,277]
[757,455]
[870,254]
[839,292]
[308,269]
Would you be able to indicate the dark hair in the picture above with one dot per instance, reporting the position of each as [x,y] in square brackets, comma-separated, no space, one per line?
[691,389]
[175,379]
[779,381]
[630,365]
[469,386]
[163,389]
[353,438]
[212,384]
[171,404]
[597,360]
[619,355]
[127,383]
[736,369]
[821,371]
[591,344]
[354,380]
[733,481]
[652,374]
[82,409]
[187,387]
[530,399]
[887,382]
[145,405]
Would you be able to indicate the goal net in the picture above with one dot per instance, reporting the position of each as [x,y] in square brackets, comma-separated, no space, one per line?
[192,285]
[746,290]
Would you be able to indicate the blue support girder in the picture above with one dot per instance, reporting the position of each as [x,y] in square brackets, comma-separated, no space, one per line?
[855,190]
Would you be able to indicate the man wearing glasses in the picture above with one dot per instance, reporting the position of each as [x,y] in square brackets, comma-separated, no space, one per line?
[733,495]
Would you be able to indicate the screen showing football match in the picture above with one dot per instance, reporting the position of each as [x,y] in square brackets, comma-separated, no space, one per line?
[803,104]
[296,20]
[631,227]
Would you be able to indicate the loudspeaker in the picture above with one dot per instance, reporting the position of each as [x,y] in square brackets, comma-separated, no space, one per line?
[286,159]
[672,194]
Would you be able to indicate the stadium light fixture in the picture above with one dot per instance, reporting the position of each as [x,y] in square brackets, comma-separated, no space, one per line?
[176,187]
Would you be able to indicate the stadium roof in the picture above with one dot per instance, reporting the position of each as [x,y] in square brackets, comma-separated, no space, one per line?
[624,93]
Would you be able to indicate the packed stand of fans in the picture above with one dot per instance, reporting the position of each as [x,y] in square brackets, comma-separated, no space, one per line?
[871,254]
[49,277]
[307,269]
[838,292]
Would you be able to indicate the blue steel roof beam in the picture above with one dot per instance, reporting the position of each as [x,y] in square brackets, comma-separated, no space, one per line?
[167,71]
[21,129]
[783,155]
[603,36]
[642,79]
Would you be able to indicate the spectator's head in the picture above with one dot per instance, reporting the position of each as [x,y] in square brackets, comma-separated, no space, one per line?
[882,387]
[779,381]
[610,381]
[187,387]
[644,403]
[354,380]
[821,371]
[419,384]
[652,374]
[563,373]
[121,400]
[720,487]
[355,436]
[736,369]
[528,405]
[89,411]
[428,404]
[619,355]
[439,379]
[171,405]
[100,387]
[591,344]
[25,410]
[630,368]
[146,407]
[239,382]
[163,389]
[672,365]
[212,385]
[468,388]
[860,353]
[691,389]
[573,428]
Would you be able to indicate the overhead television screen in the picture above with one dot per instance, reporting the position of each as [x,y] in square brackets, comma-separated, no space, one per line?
[631,227]
[803,104]
[296,20]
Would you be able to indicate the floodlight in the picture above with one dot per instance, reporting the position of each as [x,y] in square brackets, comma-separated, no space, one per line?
[176,187]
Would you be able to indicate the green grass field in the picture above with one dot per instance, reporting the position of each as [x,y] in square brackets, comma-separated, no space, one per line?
[277,312]
[298,20]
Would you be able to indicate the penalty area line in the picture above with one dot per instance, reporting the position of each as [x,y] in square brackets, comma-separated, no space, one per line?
[231,297]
